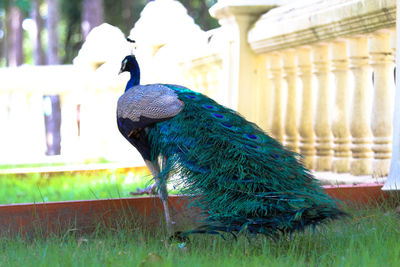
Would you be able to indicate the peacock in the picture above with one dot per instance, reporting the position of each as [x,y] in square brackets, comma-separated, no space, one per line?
[241,178]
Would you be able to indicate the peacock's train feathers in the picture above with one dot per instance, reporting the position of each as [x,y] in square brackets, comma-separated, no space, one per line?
[246,179]
[240,177]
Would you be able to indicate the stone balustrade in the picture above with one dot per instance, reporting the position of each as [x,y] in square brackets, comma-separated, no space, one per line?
[316,75]
[344,65]
[88,92]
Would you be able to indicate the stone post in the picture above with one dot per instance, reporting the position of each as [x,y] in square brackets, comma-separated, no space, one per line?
[359,124]
[289,68]
[275,70]
[306,112]
[382,107]
[340,120]
[264,94]
[393,180]
[5,123]
[69,125]
[322,129]
[236,17]
[35,122]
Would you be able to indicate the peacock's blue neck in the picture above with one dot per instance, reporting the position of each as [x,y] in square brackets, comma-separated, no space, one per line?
[135,76]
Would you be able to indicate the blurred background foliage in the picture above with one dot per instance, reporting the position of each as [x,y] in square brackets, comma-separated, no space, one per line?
[43,32]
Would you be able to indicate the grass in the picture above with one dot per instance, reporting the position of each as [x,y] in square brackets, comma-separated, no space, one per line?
[63,187]
[369,238]
[36,165]
[52,164]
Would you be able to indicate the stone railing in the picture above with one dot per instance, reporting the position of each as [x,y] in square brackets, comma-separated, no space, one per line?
[338,58]
[317,75]
[21,110]
[88,92]
[88,107]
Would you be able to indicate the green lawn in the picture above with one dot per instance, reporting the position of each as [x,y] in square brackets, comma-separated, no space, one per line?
[51,164]
[370,238]
[62,187]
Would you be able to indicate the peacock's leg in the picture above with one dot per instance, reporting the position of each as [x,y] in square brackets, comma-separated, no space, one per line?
[152,189]
[163,193]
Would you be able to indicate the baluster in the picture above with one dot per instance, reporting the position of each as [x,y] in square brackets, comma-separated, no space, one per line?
[204,81]
[382,107]
[340,121]
[5,134]
[263,94]
[35,122]
[275,69]
[192,80]
[90,121]
[393,42]
[306,114]
[220,86]
[212,80]
[69,125]
[322,119]
[289,68]
[197,80]
[19,145]
[359,124]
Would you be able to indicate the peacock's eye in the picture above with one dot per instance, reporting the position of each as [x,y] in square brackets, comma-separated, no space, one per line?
[208,106]
[251,136]
[226,125]
[124,63]
[275,156]
[252,146]
[190,96]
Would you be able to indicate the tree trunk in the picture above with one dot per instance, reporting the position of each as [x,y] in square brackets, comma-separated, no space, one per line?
[52,25]
[52,120]
[3,46]
[127,15]
[15,37]
[38,53]
[92,15]
[53,113]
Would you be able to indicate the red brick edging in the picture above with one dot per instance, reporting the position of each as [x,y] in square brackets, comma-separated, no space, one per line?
[60,217]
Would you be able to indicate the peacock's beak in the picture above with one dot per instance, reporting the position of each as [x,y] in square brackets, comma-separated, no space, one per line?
[120,71]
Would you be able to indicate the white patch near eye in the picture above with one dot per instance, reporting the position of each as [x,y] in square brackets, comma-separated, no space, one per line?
[124,63]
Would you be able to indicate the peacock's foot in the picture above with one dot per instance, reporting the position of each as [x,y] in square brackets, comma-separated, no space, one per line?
[180,237]
[150,190]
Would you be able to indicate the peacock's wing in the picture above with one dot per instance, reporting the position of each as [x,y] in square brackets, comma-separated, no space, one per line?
[146,104]
[142,106]
[246,179]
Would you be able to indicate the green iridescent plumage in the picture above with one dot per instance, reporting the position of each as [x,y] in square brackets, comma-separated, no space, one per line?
[242,178]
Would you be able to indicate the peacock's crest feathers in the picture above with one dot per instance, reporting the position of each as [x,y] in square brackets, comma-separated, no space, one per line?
[246,179]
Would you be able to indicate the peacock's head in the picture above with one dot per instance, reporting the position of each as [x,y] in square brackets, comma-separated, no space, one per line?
[128,63]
